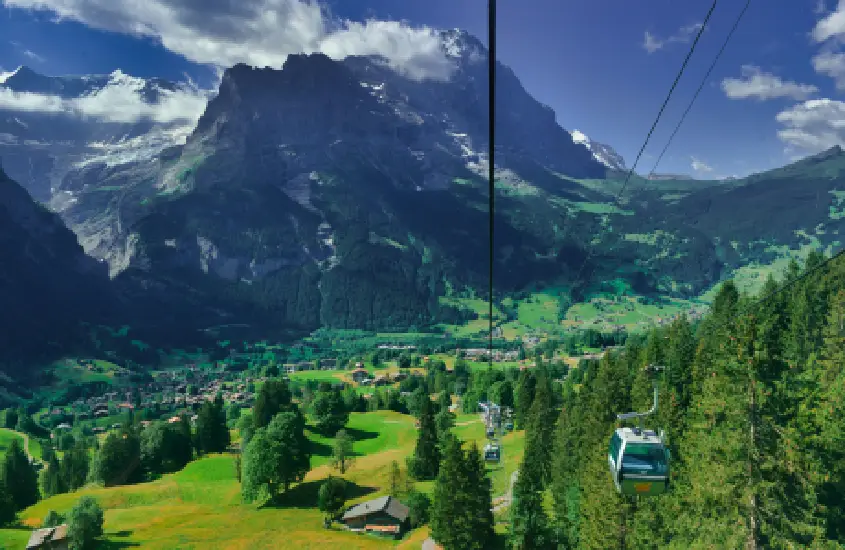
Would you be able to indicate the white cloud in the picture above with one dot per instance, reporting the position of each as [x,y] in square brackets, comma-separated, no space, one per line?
[257,32]
[651,43]
[27,52]
[119,101]
[700,166]
[813,125]
[34,56]
[832,25]
[833,65]
[759,85]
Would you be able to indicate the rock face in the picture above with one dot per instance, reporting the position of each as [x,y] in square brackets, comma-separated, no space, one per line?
[344,194]
[330,193]
[73,123]
[47,283]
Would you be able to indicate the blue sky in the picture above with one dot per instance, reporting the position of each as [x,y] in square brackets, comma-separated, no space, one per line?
[591,61]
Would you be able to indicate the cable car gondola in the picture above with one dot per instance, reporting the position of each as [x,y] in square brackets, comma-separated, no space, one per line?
[639,462]
[639,459]
[492,453]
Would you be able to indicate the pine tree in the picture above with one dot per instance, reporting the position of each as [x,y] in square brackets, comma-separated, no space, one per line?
[529,525]
[52,482]
[426,460]
[540,428]
[524,397]
[19,477]
[460,514]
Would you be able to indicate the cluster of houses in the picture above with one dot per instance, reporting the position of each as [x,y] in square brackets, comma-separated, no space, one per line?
[361,377]
[169,390]
[320,364]
[498,354]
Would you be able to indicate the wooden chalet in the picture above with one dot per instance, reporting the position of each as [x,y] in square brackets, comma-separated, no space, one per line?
[385,515]
[54,538]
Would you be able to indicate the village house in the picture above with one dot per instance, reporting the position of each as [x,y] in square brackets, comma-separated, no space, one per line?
[53,538]
[382,515]
[359,375]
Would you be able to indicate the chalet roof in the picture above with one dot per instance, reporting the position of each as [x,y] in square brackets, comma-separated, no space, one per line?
[388,505]
[48,534]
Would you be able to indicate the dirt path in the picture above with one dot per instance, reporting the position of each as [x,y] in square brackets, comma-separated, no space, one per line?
[25,443]
[502,502]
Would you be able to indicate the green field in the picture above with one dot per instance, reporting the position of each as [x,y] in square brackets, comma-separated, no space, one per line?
[372,433]
[6,438]
[603,313]
[200,507]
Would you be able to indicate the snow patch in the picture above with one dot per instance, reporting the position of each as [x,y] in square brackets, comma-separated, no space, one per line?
[4,76]
[579,137]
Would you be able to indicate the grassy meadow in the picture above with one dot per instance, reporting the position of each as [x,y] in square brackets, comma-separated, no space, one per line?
[200,506]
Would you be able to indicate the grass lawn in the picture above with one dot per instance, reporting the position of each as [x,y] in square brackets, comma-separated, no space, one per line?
[372,432]
[200,507]
[6,438]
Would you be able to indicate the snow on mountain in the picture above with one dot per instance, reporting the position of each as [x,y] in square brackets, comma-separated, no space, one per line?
[53,125]
[601,152]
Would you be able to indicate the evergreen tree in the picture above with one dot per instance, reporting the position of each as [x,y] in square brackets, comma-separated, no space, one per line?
[273,398]
[74,467]
[19,477]
[540,428]
[529,525]
[426,460]
[460,512]
[524,398]
[52,482]
[212,431]
[7,505]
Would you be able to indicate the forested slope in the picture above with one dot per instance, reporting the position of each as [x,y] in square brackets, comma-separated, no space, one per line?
[752,403]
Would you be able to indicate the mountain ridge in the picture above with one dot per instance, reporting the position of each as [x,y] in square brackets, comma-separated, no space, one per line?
[310,196]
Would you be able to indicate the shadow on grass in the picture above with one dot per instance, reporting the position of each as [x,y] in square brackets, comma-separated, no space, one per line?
[325,449]
[360,435]
[304,495]
[116,544]
[320,449]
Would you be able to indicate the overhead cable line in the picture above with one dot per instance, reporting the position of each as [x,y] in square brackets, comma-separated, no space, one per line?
[789,284]
[700,87]
[491,140]
[656,120]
